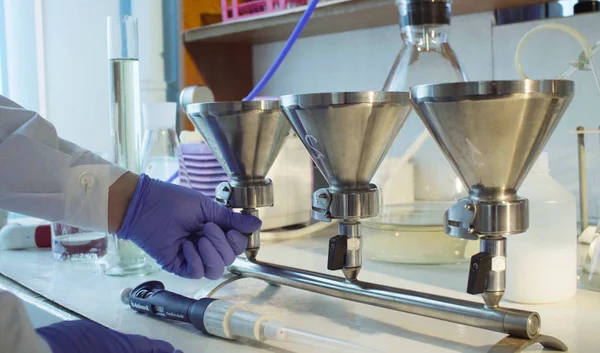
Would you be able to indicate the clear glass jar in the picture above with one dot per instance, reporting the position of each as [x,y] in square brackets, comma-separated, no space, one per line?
[76,244]
[426,57]
[413,234]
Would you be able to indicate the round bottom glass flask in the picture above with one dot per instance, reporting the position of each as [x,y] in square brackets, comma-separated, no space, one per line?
[416,182]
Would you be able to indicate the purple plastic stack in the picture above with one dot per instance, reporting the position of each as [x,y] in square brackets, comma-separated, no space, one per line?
[199,169]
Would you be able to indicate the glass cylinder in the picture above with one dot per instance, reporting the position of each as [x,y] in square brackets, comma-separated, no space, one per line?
[415,175]
[76,244]
[589,275]
[124,90]
[126,126]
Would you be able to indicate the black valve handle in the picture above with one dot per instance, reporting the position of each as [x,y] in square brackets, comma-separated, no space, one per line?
[481,265]
[336,257]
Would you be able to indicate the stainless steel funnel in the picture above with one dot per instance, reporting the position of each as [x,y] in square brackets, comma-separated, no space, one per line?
[347,136]
[246,138]
[492,132]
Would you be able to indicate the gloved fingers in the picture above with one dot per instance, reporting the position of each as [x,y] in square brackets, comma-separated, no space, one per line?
[166,254]
[176,266]
[237,241]
[217,238]
[227,219]
[195,266]
[213,263]
[141,344]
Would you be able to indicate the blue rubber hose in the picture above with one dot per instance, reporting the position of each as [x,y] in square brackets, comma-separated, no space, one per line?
[286,49]
[284,52]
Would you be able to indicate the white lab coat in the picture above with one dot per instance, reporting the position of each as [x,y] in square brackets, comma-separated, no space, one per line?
[44,176]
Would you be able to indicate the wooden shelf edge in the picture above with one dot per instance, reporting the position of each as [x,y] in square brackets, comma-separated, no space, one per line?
[329,17]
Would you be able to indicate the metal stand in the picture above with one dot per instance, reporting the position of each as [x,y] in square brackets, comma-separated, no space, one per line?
[522,326]
[514,345]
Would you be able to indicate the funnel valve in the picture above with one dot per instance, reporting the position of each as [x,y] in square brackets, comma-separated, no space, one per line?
[245,195]
[320,206]
[459,220]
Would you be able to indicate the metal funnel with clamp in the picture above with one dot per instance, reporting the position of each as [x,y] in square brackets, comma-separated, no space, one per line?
[492,133]
[246,138]
[347,136]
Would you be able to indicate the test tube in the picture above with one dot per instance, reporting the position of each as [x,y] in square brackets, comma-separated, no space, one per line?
[126,126]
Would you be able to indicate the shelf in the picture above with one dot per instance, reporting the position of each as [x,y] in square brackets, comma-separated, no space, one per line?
[330,17]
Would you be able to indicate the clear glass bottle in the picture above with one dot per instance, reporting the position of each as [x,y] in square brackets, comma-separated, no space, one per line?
[426,57]
[159,148]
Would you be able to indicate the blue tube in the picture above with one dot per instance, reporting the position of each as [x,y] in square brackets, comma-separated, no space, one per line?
[172,177]
[291,40]
[286,49]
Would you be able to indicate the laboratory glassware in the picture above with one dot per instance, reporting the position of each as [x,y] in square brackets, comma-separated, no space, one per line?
[548,249]
[126,126]
[160,140]
[425,57]
[589,275]
[77,244]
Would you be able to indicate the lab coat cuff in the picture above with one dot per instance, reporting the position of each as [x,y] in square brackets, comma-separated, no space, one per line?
[86,201]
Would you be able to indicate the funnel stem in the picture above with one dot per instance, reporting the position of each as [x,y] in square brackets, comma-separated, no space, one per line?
[254,238]
[352,230]
[496,278]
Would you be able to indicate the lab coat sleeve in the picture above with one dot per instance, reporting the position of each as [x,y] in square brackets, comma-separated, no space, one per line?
[16,331]
[47,177]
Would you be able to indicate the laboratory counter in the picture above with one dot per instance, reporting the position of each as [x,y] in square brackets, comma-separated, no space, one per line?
[83,290]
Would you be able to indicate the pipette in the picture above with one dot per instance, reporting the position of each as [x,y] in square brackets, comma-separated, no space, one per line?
[224,319]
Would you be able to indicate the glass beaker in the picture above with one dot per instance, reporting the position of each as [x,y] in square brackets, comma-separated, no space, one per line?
[76,244]
[413,234]
[426,57]
[160,140]
[126,126]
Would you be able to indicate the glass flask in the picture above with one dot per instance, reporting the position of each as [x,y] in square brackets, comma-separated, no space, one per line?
[414,159]
[160,142]
[126,127]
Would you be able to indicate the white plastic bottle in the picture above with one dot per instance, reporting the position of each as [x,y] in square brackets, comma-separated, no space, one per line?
[542,262]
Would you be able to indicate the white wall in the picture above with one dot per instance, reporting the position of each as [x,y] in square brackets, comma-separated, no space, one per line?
[76,69]
[21,53]
[360,60]
[547,55]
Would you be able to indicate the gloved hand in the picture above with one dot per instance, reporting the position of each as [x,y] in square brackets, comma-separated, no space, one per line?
[84,336]
[187,233]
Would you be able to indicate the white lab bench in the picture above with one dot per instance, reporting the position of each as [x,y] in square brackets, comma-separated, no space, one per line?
[83,290]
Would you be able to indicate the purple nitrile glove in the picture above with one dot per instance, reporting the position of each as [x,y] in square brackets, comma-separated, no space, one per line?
[82,336]
[186,232]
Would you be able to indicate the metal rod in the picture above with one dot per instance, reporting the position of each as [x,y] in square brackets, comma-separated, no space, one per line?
[583,202]
[514,322]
